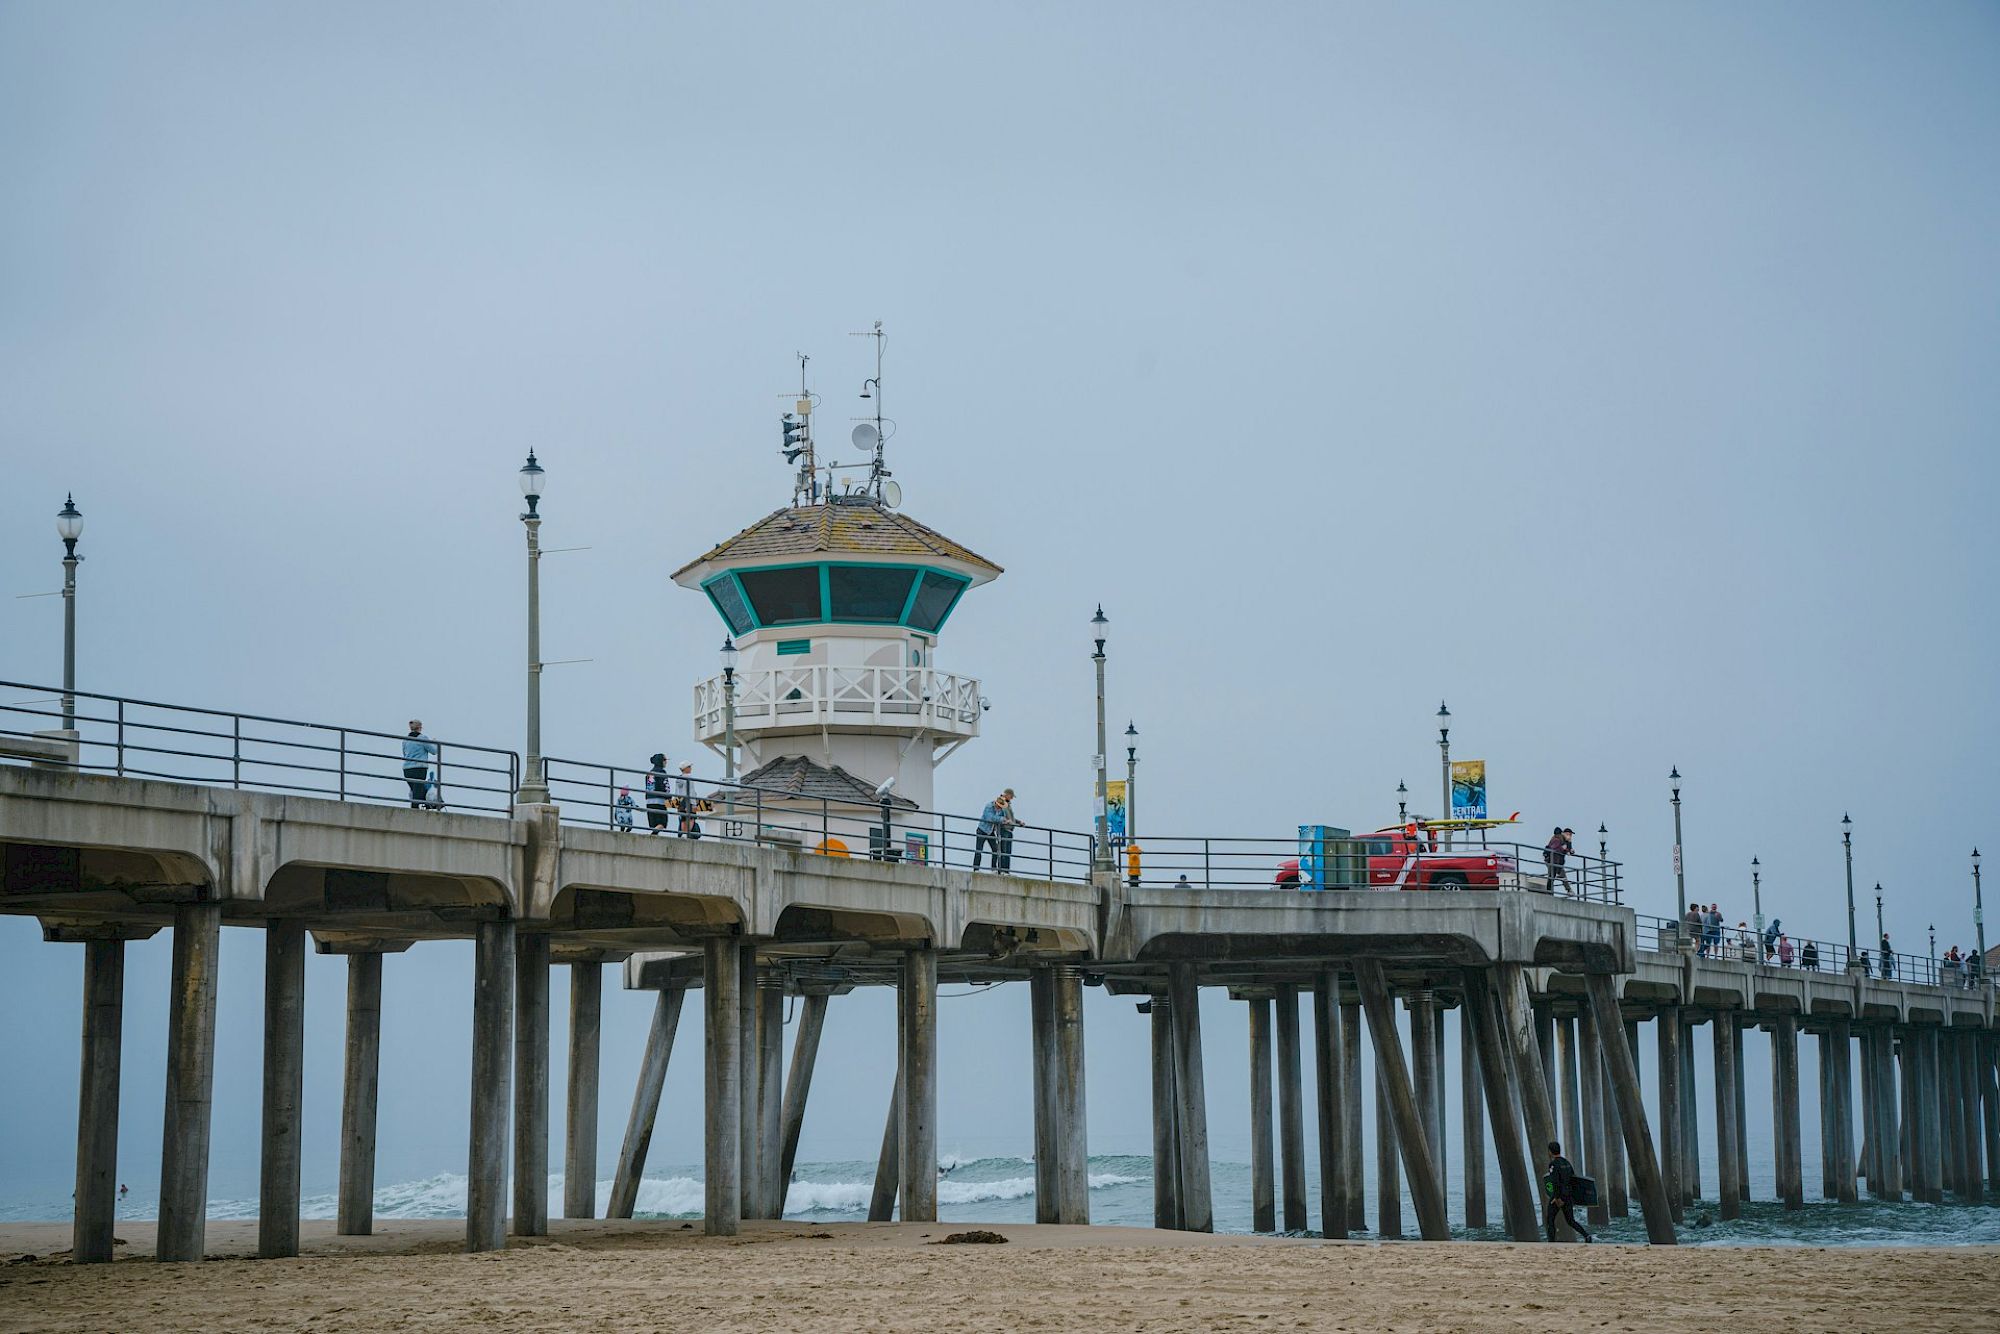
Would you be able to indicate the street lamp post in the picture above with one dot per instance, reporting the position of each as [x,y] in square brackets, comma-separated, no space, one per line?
[1444,761]
[1757,899]
[1978,914]
[69,526]
[1402,803]
[534,781]
[1131,780]
[1847,847]
[1932,928]
[1680,874]
[1604,860]
[729,655]
[1102,859]
[1879,931]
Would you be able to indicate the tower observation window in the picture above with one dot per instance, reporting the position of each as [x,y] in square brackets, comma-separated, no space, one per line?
[869,592]
[779,596]
[934,601]
[730,603]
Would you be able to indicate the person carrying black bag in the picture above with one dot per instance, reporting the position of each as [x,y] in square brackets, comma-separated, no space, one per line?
[1560,1185]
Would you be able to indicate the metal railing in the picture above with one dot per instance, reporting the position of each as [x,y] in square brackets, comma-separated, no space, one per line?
[213,747]
[1733,945]
[823,695]
[628,800]
[1381,861]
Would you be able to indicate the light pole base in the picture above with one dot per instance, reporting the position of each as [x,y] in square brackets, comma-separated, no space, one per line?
[1857,966]
[532,794]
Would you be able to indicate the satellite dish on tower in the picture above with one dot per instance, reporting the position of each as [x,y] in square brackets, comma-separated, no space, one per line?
[866,437]
[892,493]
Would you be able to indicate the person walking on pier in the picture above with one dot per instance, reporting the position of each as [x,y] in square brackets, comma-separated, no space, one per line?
[1556,852]
[1771,934]
[621,811]
[684,798]
[658,786]
[1888,957]
[418,752]
[1785,951]
[1560,1183]
[1809,957]
[987,835]
[1696,927]
[1715,930]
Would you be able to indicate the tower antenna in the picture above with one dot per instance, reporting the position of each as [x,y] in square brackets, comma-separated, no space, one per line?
[876,471]
[798,443]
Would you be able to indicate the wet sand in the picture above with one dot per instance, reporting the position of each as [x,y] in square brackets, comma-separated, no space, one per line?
[894,1277]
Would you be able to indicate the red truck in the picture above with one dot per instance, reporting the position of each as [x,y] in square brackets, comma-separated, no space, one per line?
[1414,857]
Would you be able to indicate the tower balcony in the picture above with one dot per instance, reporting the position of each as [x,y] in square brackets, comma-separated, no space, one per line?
[840,699]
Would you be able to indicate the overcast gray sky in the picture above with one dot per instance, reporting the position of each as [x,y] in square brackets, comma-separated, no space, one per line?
[1623,375]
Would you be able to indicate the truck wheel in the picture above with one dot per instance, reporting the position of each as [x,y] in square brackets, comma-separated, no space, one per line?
[1449,880]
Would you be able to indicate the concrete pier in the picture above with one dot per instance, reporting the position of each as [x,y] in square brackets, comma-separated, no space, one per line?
[1388,1176]
[1614,1135]
[1590,1076]
[1190,1100]
[1426,1076]
[1263,1203]
[1073,1170]
[1886,1113]
[1518,1196]
[749,1074]
[722,1157]
[97,1098]
[1331,1099]
[1350,1086]
[1667,1026]
[492,1085]
[1570,1083]
[1785,1106]
[916,1006]
[1690,1112]
[1412,1136]
[889,1162]
[586,1026]
[1471,1121]
[770,1096]
[190,1082]
[531,1085]
[798,1086]
[360,1095]
[284,1087]
[1624,1072]
[1843,1102]
[1291,1109]
[1729,1193]
[1045,1079]
[646,1102]
[1166,1130]
[1989,1098]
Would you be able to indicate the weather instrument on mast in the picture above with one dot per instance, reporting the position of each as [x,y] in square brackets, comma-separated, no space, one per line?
[869,436]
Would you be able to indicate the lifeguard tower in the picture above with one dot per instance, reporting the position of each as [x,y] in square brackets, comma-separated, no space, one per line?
[835,604]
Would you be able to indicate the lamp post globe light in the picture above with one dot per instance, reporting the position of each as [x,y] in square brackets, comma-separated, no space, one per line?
[1402,802]
[1131,779]
[534,780]
[69,527]
[729,655]
[1847,847]
[1680,874]
[1101,858]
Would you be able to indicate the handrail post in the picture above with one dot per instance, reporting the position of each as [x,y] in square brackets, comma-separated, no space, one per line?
[236,750]
[121,739]
[343,764]
[1207,875]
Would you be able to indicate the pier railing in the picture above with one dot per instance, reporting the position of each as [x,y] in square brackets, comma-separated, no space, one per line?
[1735,945]
[139,738]
[608,796]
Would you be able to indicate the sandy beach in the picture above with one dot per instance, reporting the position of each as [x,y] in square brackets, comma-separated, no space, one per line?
[791,1276]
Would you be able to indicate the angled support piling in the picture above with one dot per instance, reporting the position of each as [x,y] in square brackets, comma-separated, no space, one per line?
[646,1102]
[798,1085]
[1411,1133]
[1624,1072]
[1517,1185]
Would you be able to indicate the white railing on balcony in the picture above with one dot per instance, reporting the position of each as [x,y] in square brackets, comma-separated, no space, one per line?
[893,698]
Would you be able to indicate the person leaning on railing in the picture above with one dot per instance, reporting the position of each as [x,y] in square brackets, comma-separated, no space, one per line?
[418,752]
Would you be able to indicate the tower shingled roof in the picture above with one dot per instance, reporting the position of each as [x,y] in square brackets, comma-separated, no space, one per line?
[839,526]
[797,776]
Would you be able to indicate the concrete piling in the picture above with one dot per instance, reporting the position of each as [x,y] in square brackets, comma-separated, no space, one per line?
[798,1084]
[1742,1113]
[1263,1206]
[97,1101]
[1388,1176]
[1729,1198]
[916,1004]
[1471,1121]
[1291,1108]
[1331,1100]
[190,1082]
[1843,1103]
[492,1085]
[1073,1170]
[646,1102]
[1667,1029]
[1190,1109]
[1046,1076]
[1785,1104]
[1590,1076]
[1989,1098]
[749,1075]
[1350,1090]
[1887,1113]
[1517,1188]
[360,1089]
[1426,1073]
[531,1085]
[1690,1112]
[284,1087]
[1412,1136]
[586,1026]
[1624,1072]
[770,1095]
[722,981]
[1166,1130]
[1569,1073]
[889,1163]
